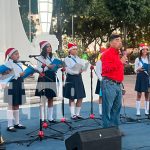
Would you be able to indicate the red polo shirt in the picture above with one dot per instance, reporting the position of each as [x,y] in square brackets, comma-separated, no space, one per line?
[112,67]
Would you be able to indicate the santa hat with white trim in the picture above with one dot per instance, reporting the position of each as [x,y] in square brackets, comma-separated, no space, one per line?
[9,52]
[43,44]
[72,46]
[143,46]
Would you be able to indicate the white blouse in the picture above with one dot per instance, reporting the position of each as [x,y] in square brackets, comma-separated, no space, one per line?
[70,61]
[138,63]
[46,61]
[99,69]
[16,67]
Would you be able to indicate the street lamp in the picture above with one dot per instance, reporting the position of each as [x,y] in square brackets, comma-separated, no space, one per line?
[30,20]
[45,8]
[73,16]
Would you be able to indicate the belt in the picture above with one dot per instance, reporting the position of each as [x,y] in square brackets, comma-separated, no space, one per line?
[73,74]
[106,78]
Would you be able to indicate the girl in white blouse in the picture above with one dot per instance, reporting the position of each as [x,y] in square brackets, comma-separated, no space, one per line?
[98,86]
[74,88]
[46,86]
[142,79]
[14,94]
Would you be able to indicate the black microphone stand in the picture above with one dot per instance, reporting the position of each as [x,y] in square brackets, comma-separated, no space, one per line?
[123,117]
[63,119]
[92,115]
[40,136]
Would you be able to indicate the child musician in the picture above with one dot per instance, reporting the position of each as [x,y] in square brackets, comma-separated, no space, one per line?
[14,94]
[49,86]
[98,86]
[74,88]
[142,79]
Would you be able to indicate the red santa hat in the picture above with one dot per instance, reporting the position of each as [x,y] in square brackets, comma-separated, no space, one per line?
[43,44]
[72,46]
[9,52]
[143,46]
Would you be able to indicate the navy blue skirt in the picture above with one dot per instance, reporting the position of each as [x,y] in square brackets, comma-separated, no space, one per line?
[142,82]
[14,94]
[97,90]
[74,88]
[46,86]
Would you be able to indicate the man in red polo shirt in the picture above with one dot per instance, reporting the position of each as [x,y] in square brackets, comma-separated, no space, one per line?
[113,75]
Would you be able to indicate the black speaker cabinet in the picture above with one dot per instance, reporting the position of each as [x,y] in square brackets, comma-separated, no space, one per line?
[95,139]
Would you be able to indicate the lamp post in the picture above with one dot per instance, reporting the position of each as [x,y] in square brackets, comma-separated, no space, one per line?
[30,20]
[45,8]
[72,27]
[73,16]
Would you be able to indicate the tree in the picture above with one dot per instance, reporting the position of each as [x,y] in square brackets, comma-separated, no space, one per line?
[134,16]
[92,21]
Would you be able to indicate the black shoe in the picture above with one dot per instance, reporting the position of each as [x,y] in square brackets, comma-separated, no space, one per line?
[19,126]
[52,121]
[138,115]
[80,117]
[122,133]
[11,129]
[74,117]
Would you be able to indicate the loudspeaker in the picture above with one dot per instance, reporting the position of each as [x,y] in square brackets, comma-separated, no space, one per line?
[95,139]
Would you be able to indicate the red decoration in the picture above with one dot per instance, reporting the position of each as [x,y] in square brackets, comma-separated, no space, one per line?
[63,119]
[92,116]
[42,74]
[92,67]
[45,125]
[41,134]
[43,65]
[63,69]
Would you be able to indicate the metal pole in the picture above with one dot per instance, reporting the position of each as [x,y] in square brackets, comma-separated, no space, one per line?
[72,28]
[30,20]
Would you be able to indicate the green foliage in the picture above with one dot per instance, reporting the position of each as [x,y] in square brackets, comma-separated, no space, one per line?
[129,69]
[135,16]
[133,57]
[97,19]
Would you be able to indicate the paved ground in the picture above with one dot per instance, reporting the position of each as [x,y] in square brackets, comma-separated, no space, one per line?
[136,133]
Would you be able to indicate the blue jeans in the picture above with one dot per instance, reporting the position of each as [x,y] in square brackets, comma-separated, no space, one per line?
[111,105]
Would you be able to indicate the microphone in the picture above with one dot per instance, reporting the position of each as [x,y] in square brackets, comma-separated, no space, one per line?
[124,53]
[30,56]
[23,61]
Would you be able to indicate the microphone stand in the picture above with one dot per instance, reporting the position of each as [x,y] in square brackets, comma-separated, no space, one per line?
[124,116]
[92,115]
[63,119]
[44,124]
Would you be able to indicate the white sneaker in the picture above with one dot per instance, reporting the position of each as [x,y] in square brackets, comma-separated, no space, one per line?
[146,112]
[138,113]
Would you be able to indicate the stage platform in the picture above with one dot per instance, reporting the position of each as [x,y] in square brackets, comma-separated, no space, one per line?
[136,132]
